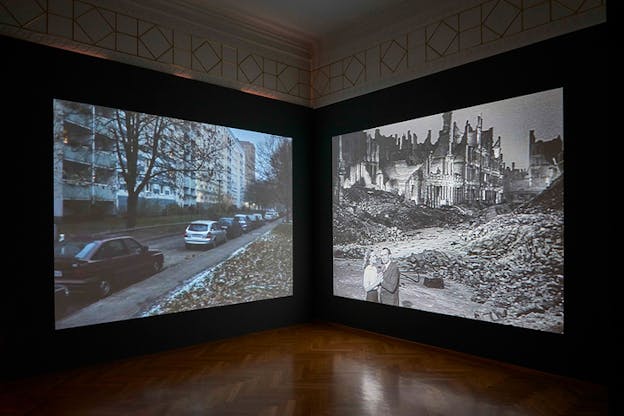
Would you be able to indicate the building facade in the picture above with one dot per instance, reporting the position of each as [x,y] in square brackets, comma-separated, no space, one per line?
[545,166]
[229,183]
[459,167]
[250,161]
[89,178]
[85,163]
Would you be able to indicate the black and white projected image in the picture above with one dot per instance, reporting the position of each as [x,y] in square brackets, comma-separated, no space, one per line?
[156,215]
[459,213]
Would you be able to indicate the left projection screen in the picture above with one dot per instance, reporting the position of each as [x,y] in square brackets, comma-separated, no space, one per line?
[156,215]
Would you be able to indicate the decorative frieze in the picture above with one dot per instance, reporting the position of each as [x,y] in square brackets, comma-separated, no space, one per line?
[250,60]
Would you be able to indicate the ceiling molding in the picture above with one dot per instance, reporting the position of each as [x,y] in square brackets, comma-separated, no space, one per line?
[228,48]
[477,30]
[229,27]
[368,30]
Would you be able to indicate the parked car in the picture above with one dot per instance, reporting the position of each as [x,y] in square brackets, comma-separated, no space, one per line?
[232,227]
[204,233]
[258,218]
[271,215]
[253,221]
[243,221]
[61,300]
[101,265]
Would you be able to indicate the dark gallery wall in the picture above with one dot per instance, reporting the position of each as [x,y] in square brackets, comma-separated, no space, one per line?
[578,63]
[36,74]
[32,76]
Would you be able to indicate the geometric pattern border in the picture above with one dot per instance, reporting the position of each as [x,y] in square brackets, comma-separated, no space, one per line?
[478,26]
[485,28]
[89,28]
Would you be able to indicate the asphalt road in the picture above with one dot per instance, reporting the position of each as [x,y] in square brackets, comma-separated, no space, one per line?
[180,265]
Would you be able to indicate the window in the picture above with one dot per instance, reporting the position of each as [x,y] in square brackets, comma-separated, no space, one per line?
[133,246]
[114,248]
[198,227]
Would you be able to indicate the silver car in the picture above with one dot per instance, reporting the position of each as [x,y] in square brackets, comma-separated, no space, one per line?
[270,215]
[204,233]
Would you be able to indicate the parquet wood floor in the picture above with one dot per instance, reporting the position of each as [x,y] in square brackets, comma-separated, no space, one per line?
[309,369]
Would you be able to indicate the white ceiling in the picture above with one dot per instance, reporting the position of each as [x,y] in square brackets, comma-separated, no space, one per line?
[305,22]
[312,19]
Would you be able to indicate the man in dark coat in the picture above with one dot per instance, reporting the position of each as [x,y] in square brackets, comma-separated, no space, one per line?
[389,292]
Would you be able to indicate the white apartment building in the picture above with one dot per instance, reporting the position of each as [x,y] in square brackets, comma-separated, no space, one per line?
[87,172]
[229,182]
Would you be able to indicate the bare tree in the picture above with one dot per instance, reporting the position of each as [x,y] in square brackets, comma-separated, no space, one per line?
[274,172]
[262,193]
[150,147]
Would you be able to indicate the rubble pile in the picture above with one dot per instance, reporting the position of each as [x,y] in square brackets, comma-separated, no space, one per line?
[526,236]
[550,199]
[368,216]
[350,228]
[393,210]
[514,262]
[511,255]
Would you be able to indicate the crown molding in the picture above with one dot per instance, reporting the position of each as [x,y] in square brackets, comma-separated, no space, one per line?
[358,60]
[369,30]
[229,48]
[226,26]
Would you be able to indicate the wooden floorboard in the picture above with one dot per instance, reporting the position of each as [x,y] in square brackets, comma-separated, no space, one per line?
[309,369]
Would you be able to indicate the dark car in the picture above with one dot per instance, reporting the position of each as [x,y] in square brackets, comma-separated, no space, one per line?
[231,226]
[61,300]
[101,265]
[243,222]
[252,221]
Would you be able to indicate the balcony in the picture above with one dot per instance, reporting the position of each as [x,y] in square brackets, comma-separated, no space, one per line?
[84,120]
[83,154]
[83,192]
[189,182]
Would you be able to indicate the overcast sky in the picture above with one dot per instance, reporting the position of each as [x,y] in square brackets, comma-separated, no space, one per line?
[512,119]
[249,136]
[258,139]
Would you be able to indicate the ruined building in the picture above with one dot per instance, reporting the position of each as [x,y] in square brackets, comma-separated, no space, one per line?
[461,166]
[545,161]
[545,165]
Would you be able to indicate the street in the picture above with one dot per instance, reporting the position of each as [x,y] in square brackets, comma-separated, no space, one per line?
[180,265]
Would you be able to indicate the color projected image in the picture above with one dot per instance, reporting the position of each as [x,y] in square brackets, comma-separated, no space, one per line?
[459,213]
[156,215]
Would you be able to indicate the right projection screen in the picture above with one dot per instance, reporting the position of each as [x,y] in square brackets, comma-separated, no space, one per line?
[459,213]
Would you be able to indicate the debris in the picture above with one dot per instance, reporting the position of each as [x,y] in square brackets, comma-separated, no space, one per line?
[511,255]
[366,216]
[434,282]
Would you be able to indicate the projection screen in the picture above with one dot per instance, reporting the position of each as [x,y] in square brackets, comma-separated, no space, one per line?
[459,213]
[156,215]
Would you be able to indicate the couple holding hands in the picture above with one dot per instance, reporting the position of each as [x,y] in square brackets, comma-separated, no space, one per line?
[381,277]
